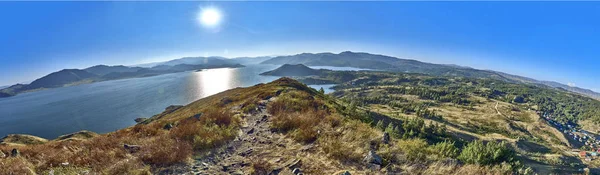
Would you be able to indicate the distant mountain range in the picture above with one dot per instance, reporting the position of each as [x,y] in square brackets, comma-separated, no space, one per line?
[209,60]
[70,77]
[388,63]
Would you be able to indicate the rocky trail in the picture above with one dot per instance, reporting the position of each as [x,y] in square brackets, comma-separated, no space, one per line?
[255,138]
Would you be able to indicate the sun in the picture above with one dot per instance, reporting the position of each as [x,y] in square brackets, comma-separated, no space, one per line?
[209,17]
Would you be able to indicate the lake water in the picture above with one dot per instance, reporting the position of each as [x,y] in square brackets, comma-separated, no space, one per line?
[111,105]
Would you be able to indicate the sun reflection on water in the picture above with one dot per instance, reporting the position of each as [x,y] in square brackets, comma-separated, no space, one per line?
[212,81]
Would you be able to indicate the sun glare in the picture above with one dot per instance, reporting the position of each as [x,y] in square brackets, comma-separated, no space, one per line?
[209,17]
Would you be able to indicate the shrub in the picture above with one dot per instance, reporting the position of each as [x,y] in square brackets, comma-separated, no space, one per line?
[164,151]
[489,153]
[349,143]
[261,167]
[214,129]
[302,126]
[295,101]
[15,165]
[414,149]
[249,108]
[445,149]
[126,167]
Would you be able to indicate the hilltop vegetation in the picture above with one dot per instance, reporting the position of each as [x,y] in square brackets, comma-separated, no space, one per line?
[472,109]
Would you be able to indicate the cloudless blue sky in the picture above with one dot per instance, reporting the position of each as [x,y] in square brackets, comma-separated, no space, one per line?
[556,41]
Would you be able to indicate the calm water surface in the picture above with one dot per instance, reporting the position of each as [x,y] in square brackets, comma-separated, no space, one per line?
[107,106]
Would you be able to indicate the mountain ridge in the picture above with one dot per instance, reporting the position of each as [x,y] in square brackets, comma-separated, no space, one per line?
[69,77]
[394,64]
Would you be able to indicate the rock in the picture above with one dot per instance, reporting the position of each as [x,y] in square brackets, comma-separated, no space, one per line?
[266,142]
[250,131]
[246,152]
[264,118]
[197,116]
[294,163]
[168,126]
[225,167]
[172,108]
[132,148]
[307,148]
[243,164]
[386,138]
[373,158]
[374,167]
[345,173]
[276,170]
[14,152]
[2,155]
[140,120]
[226,100]
[296,171]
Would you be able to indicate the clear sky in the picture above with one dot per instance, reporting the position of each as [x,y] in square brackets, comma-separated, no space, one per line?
[557,41]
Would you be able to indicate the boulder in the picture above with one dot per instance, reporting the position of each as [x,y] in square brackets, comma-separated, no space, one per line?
[172,108]
[140,120]
[250,131]
[294,163]
[373,158]
[197,116]
[2,155]
[132,148]
[386,138]
[14,153]
[345,173]
[168,126]
[226,100]
[296,171]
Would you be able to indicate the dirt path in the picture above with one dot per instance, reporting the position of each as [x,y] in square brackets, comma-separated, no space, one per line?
[232,158]
[255,138]
[496,107]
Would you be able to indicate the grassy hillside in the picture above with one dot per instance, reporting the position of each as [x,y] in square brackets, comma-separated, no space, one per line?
[283,127]
[478,109]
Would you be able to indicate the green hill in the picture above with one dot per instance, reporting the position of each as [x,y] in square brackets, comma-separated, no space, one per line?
[293,70]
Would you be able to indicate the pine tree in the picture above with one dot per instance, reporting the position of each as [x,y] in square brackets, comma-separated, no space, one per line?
[397,133]
[380,125]
[390,129]
[322,91]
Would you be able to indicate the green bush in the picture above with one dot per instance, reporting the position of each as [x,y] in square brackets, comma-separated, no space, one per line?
[489,153]
[414,149]
[445,149]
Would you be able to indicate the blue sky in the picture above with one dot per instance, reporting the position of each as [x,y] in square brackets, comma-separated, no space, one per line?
[556,41]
